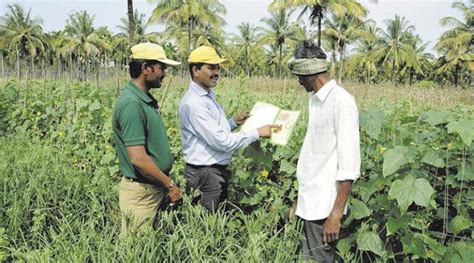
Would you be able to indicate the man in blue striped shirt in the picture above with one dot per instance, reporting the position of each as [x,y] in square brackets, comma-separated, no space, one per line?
[206,132]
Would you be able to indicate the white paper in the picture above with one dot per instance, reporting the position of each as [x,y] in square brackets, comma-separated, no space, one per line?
[260,115]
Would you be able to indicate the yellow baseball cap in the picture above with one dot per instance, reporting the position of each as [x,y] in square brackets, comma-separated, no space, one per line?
[153,52]
[205,54]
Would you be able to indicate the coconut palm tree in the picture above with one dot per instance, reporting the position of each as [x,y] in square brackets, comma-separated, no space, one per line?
[394,48]
[363,60]
[84,43]
[22,34]
[246,43]
[190,14]
[456,44]
[316,9]
[139,28]
[279,30]
[341,31]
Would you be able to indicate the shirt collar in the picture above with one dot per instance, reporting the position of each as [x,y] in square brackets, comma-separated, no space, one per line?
[147,98]
[323,93]
[200,90]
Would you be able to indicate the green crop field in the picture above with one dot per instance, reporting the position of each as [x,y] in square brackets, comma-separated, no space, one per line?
[59,178]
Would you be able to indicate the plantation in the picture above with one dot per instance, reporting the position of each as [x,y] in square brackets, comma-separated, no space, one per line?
[59,178]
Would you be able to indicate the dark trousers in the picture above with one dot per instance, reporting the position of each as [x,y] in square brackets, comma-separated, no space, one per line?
[313,247]
[211,181]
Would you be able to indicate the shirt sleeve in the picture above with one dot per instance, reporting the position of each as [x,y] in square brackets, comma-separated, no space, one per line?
[232,123]
[208,129]
[132,123]
[348,143]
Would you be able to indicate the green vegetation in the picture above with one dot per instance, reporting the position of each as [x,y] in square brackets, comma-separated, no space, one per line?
[59,180]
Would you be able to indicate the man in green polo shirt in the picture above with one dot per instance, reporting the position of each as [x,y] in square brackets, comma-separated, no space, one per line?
[141,141]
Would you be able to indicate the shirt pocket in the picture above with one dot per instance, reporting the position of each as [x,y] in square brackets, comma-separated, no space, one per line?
[323,137]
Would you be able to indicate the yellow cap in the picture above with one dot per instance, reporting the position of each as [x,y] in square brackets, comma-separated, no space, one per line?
[205,54]
[152,52]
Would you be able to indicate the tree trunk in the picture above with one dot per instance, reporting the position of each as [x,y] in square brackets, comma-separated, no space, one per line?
[3,66]
[17,64]
[279,60]
[341,58]
[319,27]
[190,29]
[131,23]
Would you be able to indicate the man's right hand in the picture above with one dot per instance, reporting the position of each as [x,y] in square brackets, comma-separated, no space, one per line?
[266,131]
[174,195]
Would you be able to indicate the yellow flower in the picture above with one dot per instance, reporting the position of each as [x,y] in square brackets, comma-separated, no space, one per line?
[450,146]
[382,150]
[38,113]
[264,173]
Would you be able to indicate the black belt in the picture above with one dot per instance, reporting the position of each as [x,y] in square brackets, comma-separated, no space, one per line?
[217,166]
[138,180]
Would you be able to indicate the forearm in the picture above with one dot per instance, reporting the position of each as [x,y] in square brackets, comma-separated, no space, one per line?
[149,170]
[341,198]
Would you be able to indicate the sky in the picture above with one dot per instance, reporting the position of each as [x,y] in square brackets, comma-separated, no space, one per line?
[424,15]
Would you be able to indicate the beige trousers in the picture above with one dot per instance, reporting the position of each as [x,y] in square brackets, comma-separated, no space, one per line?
[139,205]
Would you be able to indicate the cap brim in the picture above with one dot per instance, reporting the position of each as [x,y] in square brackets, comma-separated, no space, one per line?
[211,61]
[169,62]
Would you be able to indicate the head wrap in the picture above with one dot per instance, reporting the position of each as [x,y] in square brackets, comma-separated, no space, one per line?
[307,66]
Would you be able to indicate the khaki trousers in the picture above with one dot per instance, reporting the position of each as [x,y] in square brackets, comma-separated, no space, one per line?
[139,205]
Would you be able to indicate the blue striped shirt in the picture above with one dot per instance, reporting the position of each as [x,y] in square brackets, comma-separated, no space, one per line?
[206,133]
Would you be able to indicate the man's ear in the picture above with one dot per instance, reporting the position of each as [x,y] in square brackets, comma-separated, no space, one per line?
[194,69]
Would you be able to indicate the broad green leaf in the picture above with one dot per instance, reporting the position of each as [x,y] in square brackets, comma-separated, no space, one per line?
[413,245]
[394,159]
[458,224]
[433,158]
[411,190]
[359,209]
[371,122]
[460,252]
[464,128]
[287,167]
[370,241]
[94,106]
[435,117]
[395,223]
[466,175]
[437,247]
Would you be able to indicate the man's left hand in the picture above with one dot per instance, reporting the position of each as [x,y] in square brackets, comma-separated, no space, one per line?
[331,228]
[241,117]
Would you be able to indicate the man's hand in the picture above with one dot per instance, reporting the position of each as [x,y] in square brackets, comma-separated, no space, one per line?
[266,131]
[174,195]
[331,228]
[241,117]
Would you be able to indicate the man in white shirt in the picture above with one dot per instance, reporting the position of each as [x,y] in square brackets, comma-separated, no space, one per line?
[329,161]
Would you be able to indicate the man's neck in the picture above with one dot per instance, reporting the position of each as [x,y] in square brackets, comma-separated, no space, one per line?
[140,83]
[207,89]
[320,82]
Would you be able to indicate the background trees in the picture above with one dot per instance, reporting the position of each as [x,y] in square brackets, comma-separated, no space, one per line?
[359,49]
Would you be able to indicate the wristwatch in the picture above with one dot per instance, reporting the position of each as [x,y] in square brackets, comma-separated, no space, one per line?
[171,185]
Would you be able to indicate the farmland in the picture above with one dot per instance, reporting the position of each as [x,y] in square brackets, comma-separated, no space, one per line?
[59,177]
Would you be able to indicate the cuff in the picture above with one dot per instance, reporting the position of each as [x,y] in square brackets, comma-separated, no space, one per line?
[253,135]
[232,123]
[342,175]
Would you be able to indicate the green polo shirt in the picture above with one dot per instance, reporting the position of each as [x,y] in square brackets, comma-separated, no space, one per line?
[137,121]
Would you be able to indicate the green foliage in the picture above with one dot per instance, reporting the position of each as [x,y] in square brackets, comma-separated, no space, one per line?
[58,187]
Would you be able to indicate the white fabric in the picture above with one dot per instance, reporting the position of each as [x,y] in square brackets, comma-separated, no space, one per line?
[330,152]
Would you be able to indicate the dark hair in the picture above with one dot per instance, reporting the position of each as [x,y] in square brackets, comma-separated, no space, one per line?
[308,49]
[135,66]
[197,65]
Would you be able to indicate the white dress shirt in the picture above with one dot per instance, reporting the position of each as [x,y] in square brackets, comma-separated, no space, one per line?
[206,133]
[330,152]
